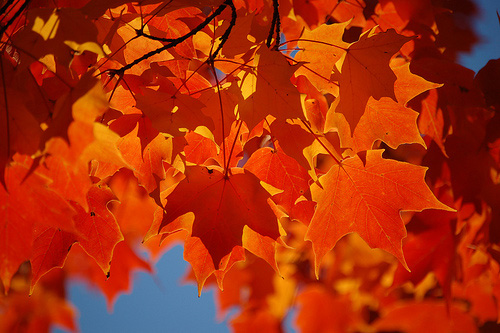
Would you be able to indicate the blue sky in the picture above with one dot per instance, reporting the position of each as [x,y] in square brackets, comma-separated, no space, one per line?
[157,304]
[162,303]
[488,28]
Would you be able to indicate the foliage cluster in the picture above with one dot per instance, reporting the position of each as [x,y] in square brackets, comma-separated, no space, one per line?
[326,156]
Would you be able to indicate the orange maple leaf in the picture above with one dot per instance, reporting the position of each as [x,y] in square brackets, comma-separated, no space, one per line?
[365,72]
[387,121]
[222,206]
[268,90]
[281,171]
[27,202]
[367,198]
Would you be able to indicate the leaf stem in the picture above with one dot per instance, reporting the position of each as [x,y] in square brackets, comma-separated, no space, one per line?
[232,148]
[221,111]
[312,71]
[177,41]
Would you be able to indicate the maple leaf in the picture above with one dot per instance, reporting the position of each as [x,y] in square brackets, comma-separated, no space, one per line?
[313,46]
[367,198]
[315,104]
[170,113]
[222,206]
[225,220]
[294,140]
[96,230]
[199,149]
[431,121]
[409,85]
[281,171]
[26,204]
[37,312]
[269,85]
[389,122]
[485,80]
[98,226]
[414,316]
[144,149]
[162,129]
[50,249]
[20,128]
[230,96]
[57,32]
[320,310]
[432,248]
[118,281]
[365,72]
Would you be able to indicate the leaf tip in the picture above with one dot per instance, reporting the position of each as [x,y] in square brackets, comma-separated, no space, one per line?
[316,273]
[317,257]
[317,262]
[402,260]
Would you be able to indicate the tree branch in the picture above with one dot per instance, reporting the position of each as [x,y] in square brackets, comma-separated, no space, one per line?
[5,6]
[176,41]
[275,26]
[226,34]
[13,18]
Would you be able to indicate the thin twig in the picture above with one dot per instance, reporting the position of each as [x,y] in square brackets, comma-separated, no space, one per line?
[232,148]
[226,34]
[177,41]
[5,6]
[14,17]
[274,24]
[221,111]
[278,23]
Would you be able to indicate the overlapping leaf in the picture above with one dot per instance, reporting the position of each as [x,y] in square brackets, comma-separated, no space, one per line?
[282,172]
[26,204]
[366,197]
[365,72]
[174,135]
[268,91]
[222,206]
